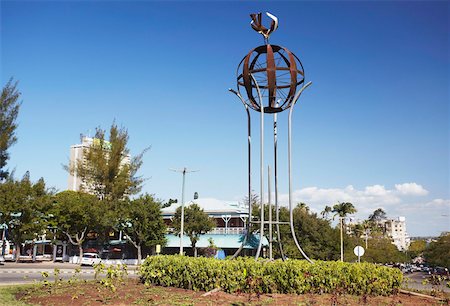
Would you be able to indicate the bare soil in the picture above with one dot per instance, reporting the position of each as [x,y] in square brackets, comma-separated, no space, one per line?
[132,292]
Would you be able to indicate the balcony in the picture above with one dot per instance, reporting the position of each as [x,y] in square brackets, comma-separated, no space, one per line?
[220,230]
[229,230]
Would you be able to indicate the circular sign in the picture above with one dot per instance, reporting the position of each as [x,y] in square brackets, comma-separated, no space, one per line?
[358,250]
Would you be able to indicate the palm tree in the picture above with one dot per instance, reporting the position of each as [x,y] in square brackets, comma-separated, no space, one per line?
[378,215]
[342,210]
[326,212]
[376,220]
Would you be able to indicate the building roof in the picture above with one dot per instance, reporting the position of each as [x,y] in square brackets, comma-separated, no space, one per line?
[210,206]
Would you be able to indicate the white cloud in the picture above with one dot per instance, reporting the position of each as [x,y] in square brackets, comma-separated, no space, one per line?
[425,216]
[366,200]
[439,203]
[376,190]
[411,189]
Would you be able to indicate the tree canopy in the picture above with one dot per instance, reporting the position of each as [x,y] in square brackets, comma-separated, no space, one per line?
[9,109]
[196,223]
[378,215]
[75,214]
[314,234]
[24,207]
[142,222]
[107,170]
[438,252]
[343,209]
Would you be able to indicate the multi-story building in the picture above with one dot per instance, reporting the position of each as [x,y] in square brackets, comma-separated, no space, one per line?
[76,155]
[396,230]
[231,219]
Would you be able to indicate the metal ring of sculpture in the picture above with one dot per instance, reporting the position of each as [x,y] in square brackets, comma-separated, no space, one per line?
[278,72]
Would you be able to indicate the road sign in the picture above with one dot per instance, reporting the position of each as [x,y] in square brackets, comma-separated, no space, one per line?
[359,251]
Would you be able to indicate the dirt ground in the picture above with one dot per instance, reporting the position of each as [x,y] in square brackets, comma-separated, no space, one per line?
[132,292]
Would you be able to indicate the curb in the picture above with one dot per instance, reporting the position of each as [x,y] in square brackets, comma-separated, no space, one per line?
[51,271]
[402,291]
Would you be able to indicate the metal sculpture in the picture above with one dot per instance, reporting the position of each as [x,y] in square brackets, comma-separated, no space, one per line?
[270,79]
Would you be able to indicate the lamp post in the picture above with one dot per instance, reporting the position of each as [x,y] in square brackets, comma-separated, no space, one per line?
[183,171]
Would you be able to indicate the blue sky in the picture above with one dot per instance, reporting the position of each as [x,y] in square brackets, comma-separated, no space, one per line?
[372,129]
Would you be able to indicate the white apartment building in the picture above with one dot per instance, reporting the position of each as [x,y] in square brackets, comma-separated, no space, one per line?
[76,156]
[396,230]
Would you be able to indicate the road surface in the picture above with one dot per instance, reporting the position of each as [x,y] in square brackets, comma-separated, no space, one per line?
[24,273]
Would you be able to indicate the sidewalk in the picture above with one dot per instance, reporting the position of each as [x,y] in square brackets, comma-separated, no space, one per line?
[38,265]
[50,265]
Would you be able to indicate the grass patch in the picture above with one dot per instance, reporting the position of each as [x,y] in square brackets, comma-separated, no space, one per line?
[8,295]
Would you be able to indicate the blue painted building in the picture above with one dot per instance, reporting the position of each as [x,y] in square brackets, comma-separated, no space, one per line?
[231,219]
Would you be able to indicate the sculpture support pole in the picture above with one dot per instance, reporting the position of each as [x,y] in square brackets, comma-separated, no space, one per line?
[277,211]
[269,182]
[249,149]
[291,210]
[261,169]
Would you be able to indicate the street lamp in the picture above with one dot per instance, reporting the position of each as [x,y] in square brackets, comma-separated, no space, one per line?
[183,171]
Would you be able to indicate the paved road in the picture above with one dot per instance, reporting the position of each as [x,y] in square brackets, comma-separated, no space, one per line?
[415,279]
[22,273]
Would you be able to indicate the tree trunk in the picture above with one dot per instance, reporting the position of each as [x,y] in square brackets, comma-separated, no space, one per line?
[139,254]
[79,242]
[195,249]
[17,252]
[137,246]
[80,247]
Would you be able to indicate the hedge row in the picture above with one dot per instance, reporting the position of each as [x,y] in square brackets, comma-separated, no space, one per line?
[291,276]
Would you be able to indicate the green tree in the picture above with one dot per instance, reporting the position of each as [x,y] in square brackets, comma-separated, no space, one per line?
[380,250]
[107,169]
[314,234]
[76,214]
[326,212]
[378,215]
[438,252]
[9,109]
[416,248]
[143,223]
[342,210]
[196,223]
[376,222]
[24,208]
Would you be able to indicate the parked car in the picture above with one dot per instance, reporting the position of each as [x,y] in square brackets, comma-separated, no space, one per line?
[90,259]
[441,271]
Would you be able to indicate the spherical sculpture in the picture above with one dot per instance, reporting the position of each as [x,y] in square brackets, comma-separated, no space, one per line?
[277,72]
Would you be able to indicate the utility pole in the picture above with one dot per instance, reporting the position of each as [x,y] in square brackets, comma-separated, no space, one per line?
[183,171]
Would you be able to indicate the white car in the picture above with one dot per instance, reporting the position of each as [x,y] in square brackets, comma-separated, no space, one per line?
[90,259]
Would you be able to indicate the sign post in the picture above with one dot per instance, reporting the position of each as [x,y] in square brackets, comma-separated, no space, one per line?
[359,251]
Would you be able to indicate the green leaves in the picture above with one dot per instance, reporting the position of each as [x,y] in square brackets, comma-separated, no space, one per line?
[107,169]
[291,276]
[9,109]
[438,252]
[142,222]
[343,209]
[24,207]
[196,223]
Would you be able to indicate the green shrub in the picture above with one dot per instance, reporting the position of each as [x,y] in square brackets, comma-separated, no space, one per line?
[291,276]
